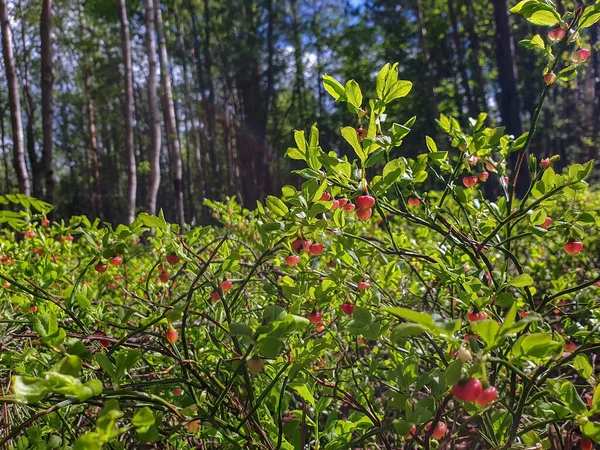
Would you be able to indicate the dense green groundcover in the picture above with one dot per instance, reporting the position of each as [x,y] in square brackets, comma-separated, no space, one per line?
[359,311]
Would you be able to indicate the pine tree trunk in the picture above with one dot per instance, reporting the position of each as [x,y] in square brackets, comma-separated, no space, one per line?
[184,120]
[191,131]
[210,107]
[460,58]
[155,134]
[4,153]
[171,125]
[47,98]
[128,106]
[97,209]
[296,42]
[432,104]
[476,69]
[96,194]
[510,109]
[29,106]
[210,158]
[14,102]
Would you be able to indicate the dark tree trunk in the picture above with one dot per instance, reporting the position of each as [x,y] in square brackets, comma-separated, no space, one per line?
[432,104]
[595,95]
[254,98]
[205,81]
[96,198]
[469,102]
[91,114]
[189,123]
[37,185]
[171,125]
[47,98]
[298,55]
[476,69]
[210,106]
[4,153]
[14,102]
[154,153]
[128,106]
[510,109]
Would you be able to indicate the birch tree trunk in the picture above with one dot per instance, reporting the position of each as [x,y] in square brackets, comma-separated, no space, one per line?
[171,124]
[47,98]
[155,134]
[14,102]
[128,106]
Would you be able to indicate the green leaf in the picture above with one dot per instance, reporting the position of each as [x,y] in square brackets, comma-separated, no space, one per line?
[269,346]
[362,315]
[304,392]
[505,300]
[535,43]
[240,329]
[538,217]
[402,427]
[521,280]
[294,153]
[145,424]
[314,136]
[29,389]
[152,221]
[590,16]
[538,42]
[591,429]
[353,96]
[143,418]
[334,88]
[517,8]
[107,422]
[519,143]
[568,73]
[276,206]
[87,390]
[401,88]
[537,13]
[45,324]
[393,171]
[381,80]
[274,313]
[418,415]
[104,361]
[442,328]
[406,329]
[583,367]
[300,139]
[125,361]
[537,345]
[349,134]
[398,132]
[578,172]
[486,329]
[454,372]
[566,393]
[89,441]
[69,365]
[430,144]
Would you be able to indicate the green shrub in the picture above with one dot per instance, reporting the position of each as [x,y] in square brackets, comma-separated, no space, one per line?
[359,311]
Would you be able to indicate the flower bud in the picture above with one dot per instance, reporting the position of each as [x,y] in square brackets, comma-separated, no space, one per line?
[580,55]
[556,34]
[464,355]
[490,167]
[550,78]
[545,163]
